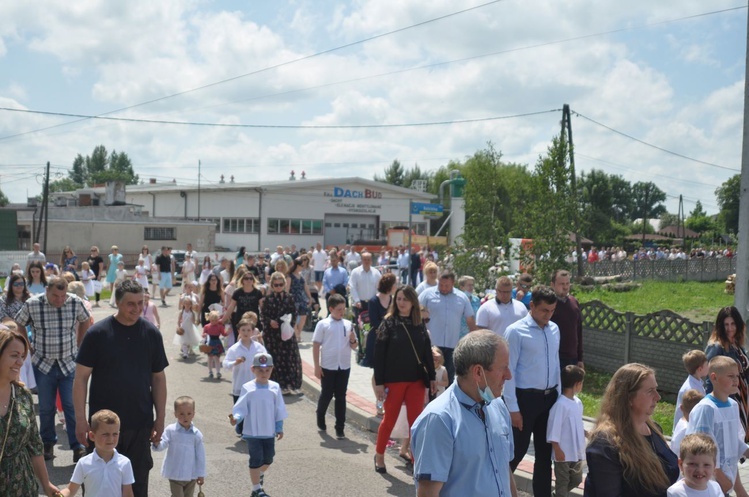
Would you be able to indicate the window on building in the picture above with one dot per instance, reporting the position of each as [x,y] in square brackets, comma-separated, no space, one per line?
[240,225]
[159,233]
[214,220]
[295,226]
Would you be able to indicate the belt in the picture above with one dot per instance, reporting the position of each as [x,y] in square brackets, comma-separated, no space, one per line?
[537,390]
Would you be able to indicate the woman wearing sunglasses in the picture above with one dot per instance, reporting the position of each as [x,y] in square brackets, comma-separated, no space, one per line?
[287,363]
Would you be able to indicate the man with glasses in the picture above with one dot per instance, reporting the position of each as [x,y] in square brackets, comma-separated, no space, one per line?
[59,321]
[501,311]
[522,290]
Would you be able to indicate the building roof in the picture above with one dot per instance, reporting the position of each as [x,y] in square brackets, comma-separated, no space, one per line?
[674,231]
[265,186]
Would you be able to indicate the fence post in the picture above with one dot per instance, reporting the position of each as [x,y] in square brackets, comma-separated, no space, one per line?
[628,329]
[707,329]
[634,269]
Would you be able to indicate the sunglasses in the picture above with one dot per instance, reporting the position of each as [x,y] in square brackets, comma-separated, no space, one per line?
[247,278]
[19,284]
[279,285]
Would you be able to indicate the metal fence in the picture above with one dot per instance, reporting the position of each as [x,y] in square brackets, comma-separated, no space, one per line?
[705,269]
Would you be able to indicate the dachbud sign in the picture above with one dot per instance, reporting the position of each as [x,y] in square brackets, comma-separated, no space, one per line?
[347,193]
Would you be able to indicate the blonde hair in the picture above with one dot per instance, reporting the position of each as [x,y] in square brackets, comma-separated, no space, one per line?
[721,364]
[184,401]
[249,318]
[104,416]
[690,399]
[77,288]
[693,360]
[431,267]
[640,463]
[440,358]
[212,316]
[698,444]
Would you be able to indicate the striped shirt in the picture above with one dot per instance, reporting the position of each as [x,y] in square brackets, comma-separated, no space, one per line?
[54,338]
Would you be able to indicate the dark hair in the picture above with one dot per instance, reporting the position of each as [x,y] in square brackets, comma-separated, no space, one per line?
[57,282]
[240,252]
[559,272]
[447,275]
[10,334]
[386,283]
[207,286]
[10,296]
[335,300]
[42,276]
[543,293]
[127,286]
[410,294]
[719,330]
[572,375]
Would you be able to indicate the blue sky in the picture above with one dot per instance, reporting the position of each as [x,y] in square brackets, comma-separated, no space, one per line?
[677,85]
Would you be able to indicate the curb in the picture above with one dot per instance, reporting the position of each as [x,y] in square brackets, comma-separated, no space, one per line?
[360,413]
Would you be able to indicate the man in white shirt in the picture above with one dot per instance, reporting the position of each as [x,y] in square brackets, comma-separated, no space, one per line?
[352,259]
[500,312]
[332,343]
[319,258]
[193,255]
[404,259]
[363,282]
[36,255]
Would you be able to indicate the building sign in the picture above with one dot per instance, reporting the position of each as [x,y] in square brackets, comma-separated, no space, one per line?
[355,207]
[427,210]
[339,192]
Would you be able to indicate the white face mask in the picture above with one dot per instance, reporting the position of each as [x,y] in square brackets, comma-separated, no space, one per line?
[486,394]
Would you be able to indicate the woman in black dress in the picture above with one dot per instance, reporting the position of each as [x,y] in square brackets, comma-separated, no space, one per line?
[244,299]
[211,293]
[287,363]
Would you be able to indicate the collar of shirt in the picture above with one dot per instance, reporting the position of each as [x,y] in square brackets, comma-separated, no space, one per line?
[182,429]
[96,458]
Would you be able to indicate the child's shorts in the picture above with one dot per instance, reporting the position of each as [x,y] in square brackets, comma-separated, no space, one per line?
[261,451]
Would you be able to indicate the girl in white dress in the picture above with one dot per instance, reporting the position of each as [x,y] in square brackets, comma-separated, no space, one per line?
[141,274]
[186,321]
[87,278]
[206,270]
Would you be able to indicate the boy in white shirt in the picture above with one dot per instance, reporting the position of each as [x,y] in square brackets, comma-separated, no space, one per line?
[332,343]
[690,399]
[262,404]
[566,432]
[697,457]
[105,472]
[184,464]
[717,415]
[695,362]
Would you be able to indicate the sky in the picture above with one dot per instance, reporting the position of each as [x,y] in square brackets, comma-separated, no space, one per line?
[668,73]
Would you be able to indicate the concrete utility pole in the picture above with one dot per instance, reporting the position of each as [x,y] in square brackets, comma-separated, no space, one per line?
[741,296]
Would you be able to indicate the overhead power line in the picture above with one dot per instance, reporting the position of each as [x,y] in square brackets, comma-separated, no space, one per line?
[279,126]
[656,147]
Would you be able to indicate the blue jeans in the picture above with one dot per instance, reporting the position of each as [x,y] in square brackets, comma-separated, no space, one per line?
[47,385]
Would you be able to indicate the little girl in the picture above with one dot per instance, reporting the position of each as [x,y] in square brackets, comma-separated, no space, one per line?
[120,276]
[206,271]
[87,278]
[141,274]
[440,372]
[150,312]
[214,330]
[186,321]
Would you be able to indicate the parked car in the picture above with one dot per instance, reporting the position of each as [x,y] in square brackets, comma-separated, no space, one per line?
[179,260]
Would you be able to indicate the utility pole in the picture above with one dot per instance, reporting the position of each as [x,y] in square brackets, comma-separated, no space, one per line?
[645,212]
[45,207]
[198,189]
[741,295]
[566,119]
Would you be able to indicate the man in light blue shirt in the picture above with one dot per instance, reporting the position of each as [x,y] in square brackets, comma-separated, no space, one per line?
[446,307]
[462,441]
[335,278]
[535,383]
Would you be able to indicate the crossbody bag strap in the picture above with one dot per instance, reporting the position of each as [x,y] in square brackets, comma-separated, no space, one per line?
[418,359]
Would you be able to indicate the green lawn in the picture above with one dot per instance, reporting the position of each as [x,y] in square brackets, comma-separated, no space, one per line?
[595,385]
[694,300]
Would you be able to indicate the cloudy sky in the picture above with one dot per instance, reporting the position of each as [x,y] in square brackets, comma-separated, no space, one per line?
[670,73]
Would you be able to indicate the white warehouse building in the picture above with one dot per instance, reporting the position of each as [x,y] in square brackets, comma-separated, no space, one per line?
[302,212]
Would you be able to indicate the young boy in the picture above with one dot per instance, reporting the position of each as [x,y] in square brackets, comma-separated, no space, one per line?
[566,433]
[184,464]
[697,463]
[717,415]
[239,356]
[332,343]
[105,472]
[695,362]
[690,399]
[262,403]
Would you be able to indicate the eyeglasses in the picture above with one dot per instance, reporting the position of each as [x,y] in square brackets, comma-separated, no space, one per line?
[248,278]
[279,285]
[19,284]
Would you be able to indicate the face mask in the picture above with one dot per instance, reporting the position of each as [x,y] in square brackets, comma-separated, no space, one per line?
[486,394]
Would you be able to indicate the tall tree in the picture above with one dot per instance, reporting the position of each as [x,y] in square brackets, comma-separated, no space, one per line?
[3,199]
[79,173]
[415,173]
[621,199]
[728,195]
[394,174]
[648,203]
[667,219]
[120,169]
[596,202]
[97,162]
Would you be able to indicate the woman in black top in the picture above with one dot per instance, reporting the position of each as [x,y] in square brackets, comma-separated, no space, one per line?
[211,293]
[287,362]
[96,263]
[244,299]
[399,373]
[627,455]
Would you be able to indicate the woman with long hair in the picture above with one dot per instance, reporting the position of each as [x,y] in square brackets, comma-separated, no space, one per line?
[287,363]
[627,454]
[13,300]
[210,293]
[114,259]
[69,261]
[22,464]
[402,351]
[36,280]
[727,339]
[243,299]
[300,293]
[377,309]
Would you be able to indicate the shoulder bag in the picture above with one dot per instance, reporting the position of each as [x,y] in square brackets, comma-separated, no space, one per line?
[423,369]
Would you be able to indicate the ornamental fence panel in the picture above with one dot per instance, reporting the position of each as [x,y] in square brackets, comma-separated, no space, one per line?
[705,269]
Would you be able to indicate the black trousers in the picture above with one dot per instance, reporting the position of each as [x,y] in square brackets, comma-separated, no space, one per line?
[334,383]
[534,407]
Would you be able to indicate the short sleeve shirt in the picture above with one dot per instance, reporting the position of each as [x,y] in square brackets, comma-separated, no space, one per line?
[123,358]
[103,477]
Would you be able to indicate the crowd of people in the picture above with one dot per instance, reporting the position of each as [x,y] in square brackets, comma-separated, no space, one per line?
[474,379]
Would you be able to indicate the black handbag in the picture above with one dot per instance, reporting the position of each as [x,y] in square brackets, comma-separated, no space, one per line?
[424,372]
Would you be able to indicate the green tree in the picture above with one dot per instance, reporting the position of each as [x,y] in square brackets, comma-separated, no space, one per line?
[79,174]
[668,219]
[483,202]
[594,194]
[699,221]
[3,199]
[728,195]
[621,199]
[394,174]
[120,168]
[96,163]
[64,185]
[551,211]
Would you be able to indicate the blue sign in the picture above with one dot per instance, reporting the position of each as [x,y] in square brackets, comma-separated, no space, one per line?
[428,210]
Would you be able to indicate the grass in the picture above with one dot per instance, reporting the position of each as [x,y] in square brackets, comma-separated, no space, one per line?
[694,300]
[593,388]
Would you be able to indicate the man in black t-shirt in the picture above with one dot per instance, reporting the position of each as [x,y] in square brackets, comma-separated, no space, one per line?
[97,266]
[124,357]
[164,263]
